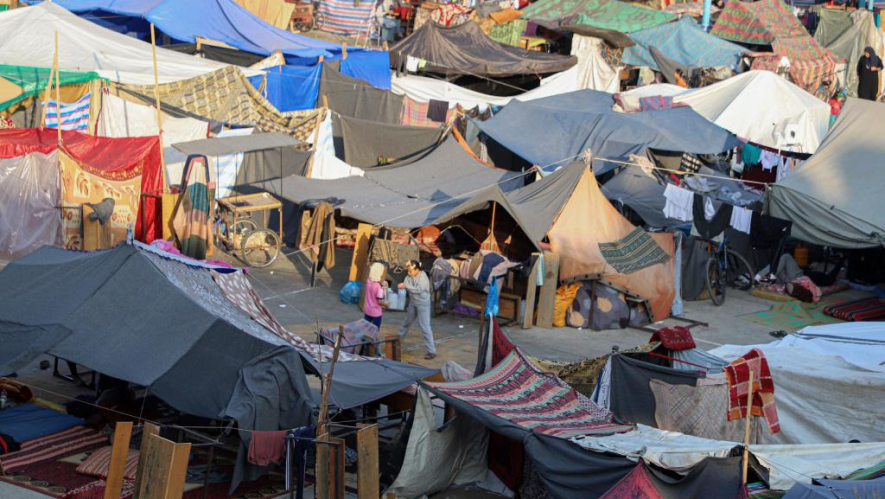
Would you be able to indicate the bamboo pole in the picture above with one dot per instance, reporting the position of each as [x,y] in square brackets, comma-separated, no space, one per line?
[159,109]
[747,430]
[55,62]
[327,385]
[47,94]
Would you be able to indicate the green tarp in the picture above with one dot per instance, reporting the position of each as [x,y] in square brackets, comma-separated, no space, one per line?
[831,26]
[32,81]
[603,14]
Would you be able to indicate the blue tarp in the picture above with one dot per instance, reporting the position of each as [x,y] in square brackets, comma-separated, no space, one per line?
[554,130]
[291,88]
[27,422]
[371,66]
[684,42]
[219,20]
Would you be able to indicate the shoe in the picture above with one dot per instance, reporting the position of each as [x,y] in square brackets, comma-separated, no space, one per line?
[430,356]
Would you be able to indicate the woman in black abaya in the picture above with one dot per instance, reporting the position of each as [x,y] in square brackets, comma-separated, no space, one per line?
[868,69]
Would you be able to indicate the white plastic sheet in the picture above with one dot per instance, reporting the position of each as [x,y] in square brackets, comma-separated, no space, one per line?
[29,207]
[326,165]
[788,464]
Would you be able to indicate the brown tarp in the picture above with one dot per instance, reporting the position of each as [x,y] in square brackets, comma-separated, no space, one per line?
[465,49]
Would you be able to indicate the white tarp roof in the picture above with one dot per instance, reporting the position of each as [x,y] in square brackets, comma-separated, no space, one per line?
[765,109]
[27,38]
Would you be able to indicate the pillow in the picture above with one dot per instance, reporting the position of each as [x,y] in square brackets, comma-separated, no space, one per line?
[98,462]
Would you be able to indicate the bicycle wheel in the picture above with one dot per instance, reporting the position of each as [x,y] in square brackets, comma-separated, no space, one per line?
[715,284]
[231,239]
[260,247]
[740,273]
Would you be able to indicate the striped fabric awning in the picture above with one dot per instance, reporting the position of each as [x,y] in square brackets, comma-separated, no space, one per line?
[346,17]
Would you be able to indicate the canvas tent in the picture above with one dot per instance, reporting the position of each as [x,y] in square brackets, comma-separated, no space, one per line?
[465,50]
[862,33]
[27,36]
[565,126]
[765,109]
[218,20]
[684,42]
[771,22]
[603,14]
[556,208]
[833,199]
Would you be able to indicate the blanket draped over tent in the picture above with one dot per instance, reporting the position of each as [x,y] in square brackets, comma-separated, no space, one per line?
[684,42]
[771,22]
[465,50]
[603,14]
[833,199]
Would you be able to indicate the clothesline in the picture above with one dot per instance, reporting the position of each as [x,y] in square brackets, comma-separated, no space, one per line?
[627,163]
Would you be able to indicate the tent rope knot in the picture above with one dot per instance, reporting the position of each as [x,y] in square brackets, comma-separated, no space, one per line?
[587,157]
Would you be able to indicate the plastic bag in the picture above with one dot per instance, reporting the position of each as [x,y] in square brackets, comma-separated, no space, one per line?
[350,293]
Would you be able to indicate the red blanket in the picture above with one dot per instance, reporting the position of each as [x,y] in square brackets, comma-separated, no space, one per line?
[674,338]
[738,374]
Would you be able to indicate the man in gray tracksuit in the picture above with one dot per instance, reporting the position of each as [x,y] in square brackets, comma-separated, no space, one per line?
[417,284]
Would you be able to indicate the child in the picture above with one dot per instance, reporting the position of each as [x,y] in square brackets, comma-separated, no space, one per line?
[376,295]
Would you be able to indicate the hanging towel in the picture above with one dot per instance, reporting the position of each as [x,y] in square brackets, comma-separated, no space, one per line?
[679,203]
[267,447]
[750,155]
[437,110]
[738,375]
[741,219]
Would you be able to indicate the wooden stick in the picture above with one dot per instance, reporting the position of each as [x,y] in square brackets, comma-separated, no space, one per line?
[146,432]
[367,462]
[159,108]
[747,431]
[47,94]
[55,62]
[343,51]
[119,453]
[327,385]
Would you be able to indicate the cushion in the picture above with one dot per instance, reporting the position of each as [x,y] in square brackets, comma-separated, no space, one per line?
[98,462]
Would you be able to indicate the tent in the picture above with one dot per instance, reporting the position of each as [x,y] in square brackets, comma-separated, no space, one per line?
[18,83]
[565,126]
[832,24]
[27,36]
[686,43]
[851,43]
[603,14]
[763,108]
[833,199]
[218,20]
[771,22]
[827,489]
[465,50]
[290,88]
[90,169]
[277,13]
[556,208]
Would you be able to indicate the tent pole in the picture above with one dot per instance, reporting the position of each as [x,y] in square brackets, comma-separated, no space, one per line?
[47,94]
[55,63]
[747,430]
[159,109]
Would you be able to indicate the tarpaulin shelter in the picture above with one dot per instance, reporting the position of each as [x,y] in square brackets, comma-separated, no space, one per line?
[353,97]
[686,43]
[604,14]
[765,109]
[218,20]
[18,83]
[31,195]
[347,17]
[565,126]
[277,13]
[850,44]
[290,88]
[92,168]
[366,144]
[556,208]
[826,489]
[465,50]
[27,36]
[771,22]
[831,25]
[834,198]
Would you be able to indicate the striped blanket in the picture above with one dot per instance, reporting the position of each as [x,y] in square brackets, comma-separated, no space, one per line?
[74,116]
[864,309]
[190,218]
[346,17]
[50,447]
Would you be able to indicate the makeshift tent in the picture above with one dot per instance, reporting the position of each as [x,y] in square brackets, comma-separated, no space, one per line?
[365,144]
[765,109]
[371,66]
[27,36]
[602,14]
[121,118]
[852,42]
[465,50]
[831,25]
[225,96]
[556,207]
[713,477]
[565,126]
[642,193]
[218,20]
[290,88]
[827,389]
[346,17]
[771,22]
[18,83]
[32,194]
[833,199]
[686,43]
[354,98]
[92,168]
[408,196]
[827,489]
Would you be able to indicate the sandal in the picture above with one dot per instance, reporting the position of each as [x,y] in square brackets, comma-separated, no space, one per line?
[430,356]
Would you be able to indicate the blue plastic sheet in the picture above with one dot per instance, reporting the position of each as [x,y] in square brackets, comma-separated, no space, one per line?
[291,88]
[371,66]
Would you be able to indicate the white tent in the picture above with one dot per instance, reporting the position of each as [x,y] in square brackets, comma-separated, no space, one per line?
[27,38]
[763,108]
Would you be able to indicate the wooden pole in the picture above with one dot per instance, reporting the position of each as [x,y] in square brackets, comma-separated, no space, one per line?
[368,486]
[55,62]
[327,385]
[747,430]
[343,51]
[159,108]
[119,452]
[47,94]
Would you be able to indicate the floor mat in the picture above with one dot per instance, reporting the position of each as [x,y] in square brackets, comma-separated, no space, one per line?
[862,310]
[52,447]
[794,315]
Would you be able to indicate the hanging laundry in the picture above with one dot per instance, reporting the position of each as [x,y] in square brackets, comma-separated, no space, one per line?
[708,229]
[709,210]
[750,155]
[74,116]
[763,404]
[741,219]
[769,160]
[266,447]
[437,110]
[679,203]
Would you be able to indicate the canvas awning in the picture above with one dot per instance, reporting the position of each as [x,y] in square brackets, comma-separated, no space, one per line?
[220,146]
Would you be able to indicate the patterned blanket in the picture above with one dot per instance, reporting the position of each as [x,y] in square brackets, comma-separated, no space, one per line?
[864,309]
[763,404]
[633,252]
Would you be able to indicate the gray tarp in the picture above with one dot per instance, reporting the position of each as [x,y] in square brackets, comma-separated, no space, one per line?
[363,142]
[552,130]
[835,198]
[829,489]
[409,196]
[643,194]
[220,146]
[631,397]
[465,50]
[355,98]
[833,23]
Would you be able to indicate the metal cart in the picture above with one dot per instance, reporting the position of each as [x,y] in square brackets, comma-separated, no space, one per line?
[238,232]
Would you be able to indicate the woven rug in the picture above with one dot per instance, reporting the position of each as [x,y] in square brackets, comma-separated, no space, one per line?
[53,478]
[633,252]
[792,316]
[864,309]
[51,447]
